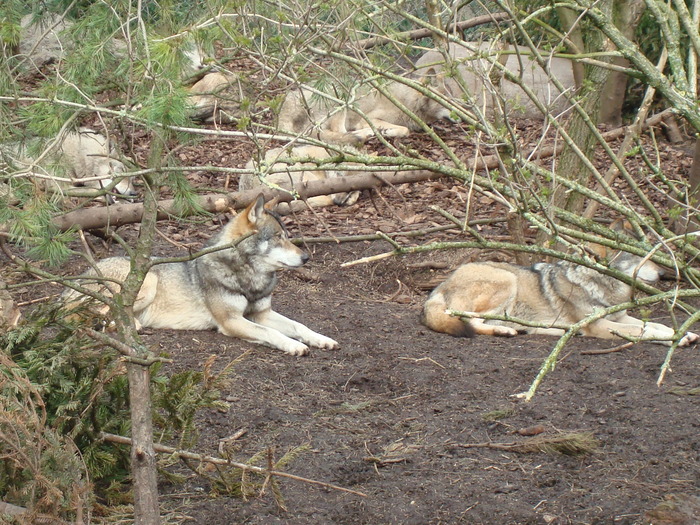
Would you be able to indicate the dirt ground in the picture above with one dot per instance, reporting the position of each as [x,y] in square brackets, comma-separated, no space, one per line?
[395,411]
[392,412]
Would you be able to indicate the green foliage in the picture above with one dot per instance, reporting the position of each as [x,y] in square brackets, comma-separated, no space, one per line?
[176,401]
[10,16]
[165,104]
[81,389]
[32,228]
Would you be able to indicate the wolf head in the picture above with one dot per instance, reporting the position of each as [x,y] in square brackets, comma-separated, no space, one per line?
[428,109]
[268,245]
[109,169]
[629,263]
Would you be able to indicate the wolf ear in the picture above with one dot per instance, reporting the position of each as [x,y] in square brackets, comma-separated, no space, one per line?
[270,205]
[256,209]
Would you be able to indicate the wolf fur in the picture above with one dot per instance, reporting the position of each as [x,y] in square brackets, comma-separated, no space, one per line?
[295,176]
[217,97]
[229,290]
[477,73]
[84,153]
[561,294]
[305,112]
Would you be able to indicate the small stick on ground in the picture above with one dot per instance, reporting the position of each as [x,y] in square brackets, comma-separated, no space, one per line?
[612,350]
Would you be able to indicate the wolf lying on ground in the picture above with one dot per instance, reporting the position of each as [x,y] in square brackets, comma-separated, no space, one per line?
[297,174]
[229,289]
[561,294]
[218,97]
[308,113]
[83,156]
[478,72]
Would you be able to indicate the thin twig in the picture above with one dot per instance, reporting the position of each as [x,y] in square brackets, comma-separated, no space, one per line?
[612,350]
[220,461]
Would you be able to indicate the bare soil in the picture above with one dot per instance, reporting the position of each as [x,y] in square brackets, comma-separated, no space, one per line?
[390,414]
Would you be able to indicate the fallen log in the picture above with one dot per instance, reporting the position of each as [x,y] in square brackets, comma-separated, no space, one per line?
[121,214]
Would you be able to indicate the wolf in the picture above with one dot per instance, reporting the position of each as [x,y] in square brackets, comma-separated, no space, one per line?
[218,97]
[229,289]
[296,174]
[560,294]
[305,112]
[86,155]
[477,72]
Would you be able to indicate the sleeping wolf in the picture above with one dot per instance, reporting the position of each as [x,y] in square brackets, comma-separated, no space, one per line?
[295,176]
[477,72]
[561,294]
[229,289]
[83,156]
[308,113]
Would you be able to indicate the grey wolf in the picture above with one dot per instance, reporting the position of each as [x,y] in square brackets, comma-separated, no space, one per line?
[229,289]
[81,158]
[286,167]
[480,78]
[306,112]
[560,294]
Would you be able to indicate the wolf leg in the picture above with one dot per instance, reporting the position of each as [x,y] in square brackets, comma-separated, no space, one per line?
[480,327]
[242,328]
[632,327]
[294,329]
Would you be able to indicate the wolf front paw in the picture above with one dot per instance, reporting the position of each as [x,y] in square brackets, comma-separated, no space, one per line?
[689,339]
[323,342]
[395,132]
[296,348]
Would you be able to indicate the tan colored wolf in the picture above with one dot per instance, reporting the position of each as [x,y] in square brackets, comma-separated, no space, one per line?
[560,293]
[83,156]
[296,174]
[478,72]
[306,112]
[229,289]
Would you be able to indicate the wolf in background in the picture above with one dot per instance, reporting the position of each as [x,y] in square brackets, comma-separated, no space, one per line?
[305,112]
[295,176]
[477,73]
[88,158]
[229,289]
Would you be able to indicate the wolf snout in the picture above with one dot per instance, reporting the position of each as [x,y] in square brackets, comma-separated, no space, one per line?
[304,257]
[130,194]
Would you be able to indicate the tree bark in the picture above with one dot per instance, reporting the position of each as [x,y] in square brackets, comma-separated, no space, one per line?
[579,130]
[568,19]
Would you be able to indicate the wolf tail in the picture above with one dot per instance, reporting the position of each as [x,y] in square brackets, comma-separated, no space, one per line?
[435,317]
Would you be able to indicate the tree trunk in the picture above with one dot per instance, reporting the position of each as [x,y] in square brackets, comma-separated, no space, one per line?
[626,16]
[9,313]
[143,457]
[570,164]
